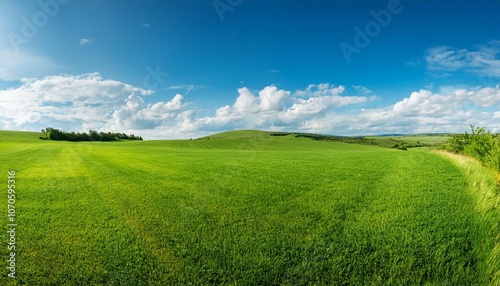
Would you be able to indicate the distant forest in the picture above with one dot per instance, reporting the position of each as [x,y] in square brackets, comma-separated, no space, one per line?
[55,134]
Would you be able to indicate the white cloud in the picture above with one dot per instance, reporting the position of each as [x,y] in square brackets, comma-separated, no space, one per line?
[362,89]
[488,96]
[181,86]
[321,98]
[422,111]
[136,115]
[85,89]
[322,89]
[272,99]
[424,102]
[279,109]
[68,101]
[446,58]
[18,65]
[88,101]
[315,105]
[483,61]
[187,87]
[246,101]
[85,42]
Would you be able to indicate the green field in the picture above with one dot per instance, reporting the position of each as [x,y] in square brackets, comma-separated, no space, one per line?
[246,209]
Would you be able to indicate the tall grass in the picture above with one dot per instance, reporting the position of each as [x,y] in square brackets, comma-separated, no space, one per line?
[483,184]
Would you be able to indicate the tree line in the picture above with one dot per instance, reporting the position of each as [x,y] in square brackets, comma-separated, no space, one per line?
[480,144]
[50,133]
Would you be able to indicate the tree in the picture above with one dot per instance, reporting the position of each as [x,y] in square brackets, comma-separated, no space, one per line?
[55,134]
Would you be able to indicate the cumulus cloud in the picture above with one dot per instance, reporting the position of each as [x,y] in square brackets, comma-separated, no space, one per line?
[68,101]
[488,97]
[321,98]
[482,61]
[424,102]
[136,115]
[322,89]
[88,101]
[278,109]
[320,104]
[422,111]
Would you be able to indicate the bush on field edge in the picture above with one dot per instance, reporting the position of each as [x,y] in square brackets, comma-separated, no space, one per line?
[480,144]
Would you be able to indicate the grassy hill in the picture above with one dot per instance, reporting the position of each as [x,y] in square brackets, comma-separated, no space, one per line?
[395,141]
[245,208]
[240,134]
[19,137]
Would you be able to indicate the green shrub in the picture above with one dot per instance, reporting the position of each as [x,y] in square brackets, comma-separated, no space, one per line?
[480,144]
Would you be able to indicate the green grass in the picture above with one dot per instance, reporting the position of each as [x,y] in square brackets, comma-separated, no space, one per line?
[243,209]
[240,134]
[485,188]
[14,137]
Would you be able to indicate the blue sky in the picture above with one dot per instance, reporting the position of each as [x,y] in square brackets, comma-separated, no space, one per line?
[188,68]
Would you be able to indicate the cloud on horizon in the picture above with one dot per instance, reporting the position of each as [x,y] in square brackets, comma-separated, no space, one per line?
[87,101]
